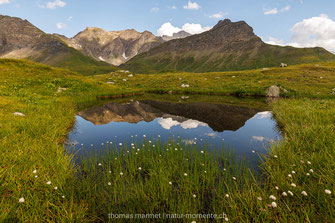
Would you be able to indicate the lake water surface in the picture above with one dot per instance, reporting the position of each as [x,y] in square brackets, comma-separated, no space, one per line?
[244,125]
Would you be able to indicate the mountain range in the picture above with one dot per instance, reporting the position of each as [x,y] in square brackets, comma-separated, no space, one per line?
[227,46]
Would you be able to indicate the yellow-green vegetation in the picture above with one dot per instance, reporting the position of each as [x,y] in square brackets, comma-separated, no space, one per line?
[40,184]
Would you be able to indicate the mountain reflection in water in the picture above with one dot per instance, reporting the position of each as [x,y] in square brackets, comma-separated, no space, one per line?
[243,129]
[218,117]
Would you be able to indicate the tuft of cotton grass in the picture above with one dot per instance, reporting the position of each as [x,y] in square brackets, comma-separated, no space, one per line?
[185,174]
[194,195]
[35,171]
[227,195]
[272,197]
[21,200]
[140,168]
[290,193]
[121,173]
[328,191]
[293,185]
[274,204]
[56,188]
[304,193]
[49,182]
[284,194]
[170,183]
[109,183]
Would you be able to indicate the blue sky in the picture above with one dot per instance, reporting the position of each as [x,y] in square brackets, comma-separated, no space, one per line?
[271,19]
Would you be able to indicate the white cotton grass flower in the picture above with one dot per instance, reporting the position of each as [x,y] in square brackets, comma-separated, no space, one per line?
[309,163]
[115,158]
[121,173]
[227,195]
[272,197]
[56,188]
[259,198]
[63,196]
[304,193]
[277,188]
[185,174]
[140,168]
[202,151]
[226,219]
[234,178]
[36,176]
[302,162]
[274,204]
[290,176]
[275,156]
[293,185]
[21,200]
[109,183]
[49,182]
[290,193]
[328,191]
[170,183]
[293,172]
[35,171]
[120,144]
[110,171]
[193,222]
[308,174]
[253,151]
[100,164]
[311,170]
[224,169]
[205,171]
[284,194]
[194,195]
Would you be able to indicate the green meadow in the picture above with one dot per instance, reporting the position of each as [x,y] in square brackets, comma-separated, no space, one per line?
[41,183]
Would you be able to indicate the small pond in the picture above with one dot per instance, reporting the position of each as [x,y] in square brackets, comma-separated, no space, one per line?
[244,125]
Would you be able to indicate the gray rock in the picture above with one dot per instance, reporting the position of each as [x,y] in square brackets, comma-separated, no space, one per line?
[18,114]
[273,92]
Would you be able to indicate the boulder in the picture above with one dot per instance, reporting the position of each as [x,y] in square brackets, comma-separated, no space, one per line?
[273,92]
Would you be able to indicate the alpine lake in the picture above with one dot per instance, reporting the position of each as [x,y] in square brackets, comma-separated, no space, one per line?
[245,126]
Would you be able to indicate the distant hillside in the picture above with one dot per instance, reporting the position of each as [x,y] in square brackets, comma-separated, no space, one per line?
[227,46]
[21,40]
[114,47]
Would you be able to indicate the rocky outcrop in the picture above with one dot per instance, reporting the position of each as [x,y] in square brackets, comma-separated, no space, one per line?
[178,35]
[273,92]
[114,47]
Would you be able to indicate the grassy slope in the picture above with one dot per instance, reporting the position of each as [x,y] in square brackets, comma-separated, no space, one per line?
[78,62]
[194,61]
[32,142]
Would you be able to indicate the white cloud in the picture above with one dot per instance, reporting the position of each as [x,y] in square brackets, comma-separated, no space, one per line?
[192,6]
[316,31]
[274,41]
[192,124]
[218,15]
[173,7]
[258,138]
[271,11]
[69,18]
[4,2]
[265,114]
[154,9]
[60,25]
[168,29]
[55,4]
[286,8]
[167,123]
[195,28]
[275,11]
